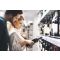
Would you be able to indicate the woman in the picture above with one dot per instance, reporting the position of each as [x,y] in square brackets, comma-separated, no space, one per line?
[17,42]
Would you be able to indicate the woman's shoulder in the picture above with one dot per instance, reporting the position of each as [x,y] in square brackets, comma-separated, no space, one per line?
[12,31]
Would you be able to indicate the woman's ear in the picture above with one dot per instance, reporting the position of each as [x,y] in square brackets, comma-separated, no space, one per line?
[14,22]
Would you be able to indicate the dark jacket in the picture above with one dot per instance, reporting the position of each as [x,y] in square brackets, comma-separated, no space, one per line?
[4,37]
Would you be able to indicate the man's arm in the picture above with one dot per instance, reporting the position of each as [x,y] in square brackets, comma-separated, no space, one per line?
[4,38]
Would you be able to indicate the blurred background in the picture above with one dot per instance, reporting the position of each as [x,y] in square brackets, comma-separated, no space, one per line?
[42,23]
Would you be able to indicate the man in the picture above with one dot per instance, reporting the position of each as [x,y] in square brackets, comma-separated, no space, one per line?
[4,37]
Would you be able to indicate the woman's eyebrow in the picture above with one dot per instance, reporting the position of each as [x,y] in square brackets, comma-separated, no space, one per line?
[21,17]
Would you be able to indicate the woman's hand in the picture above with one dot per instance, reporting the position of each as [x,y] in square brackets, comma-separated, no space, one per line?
[26,42]
[29,42]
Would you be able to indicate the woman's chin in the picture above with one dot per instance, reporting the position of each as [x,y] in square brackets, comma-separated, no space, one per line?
[19,27]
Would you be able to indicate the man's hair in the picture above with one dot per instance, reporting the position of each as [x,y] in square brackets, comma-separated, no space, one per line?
[13,12]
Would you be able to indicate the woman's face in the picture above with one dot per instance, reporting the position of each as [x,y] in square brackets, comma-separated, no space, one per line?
[18,21]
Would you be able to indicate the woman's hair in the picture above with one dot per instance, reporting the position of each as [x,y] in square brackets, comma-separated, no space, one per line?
[13,12]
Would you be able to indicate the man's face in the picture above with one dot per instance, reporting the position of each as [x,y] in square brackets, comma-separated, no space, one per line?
[18,21]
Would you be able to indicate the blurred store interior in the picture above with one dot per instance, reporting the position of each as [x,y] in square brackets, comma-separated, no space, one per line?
[44,24]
